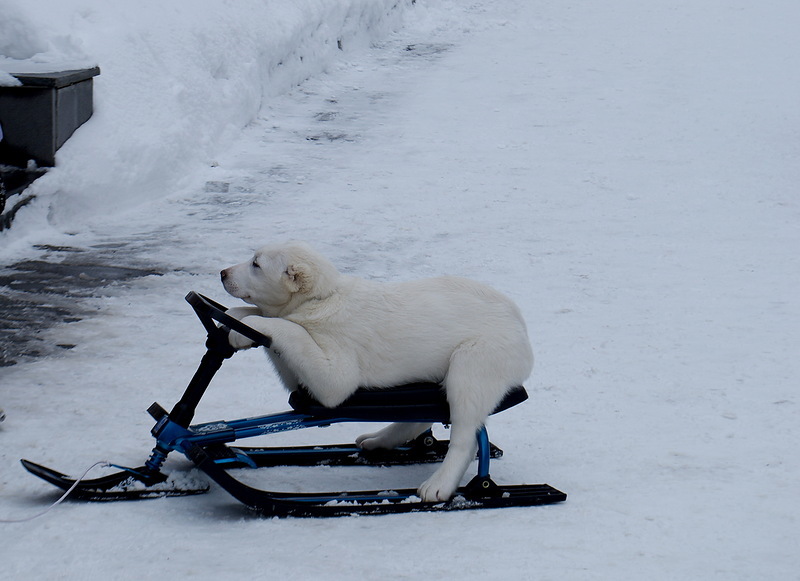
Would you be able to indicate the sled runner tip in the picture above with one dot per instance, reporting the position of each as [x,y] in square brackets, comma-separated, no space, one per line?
[127,484]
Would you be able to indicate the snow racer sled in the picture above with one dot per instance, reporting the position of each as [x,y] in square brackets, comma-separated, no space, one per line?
[208,446]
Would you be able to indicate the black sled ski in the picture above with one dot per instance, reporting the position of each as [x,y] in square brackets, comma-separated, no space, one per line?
[481,492]
[127,484]
[209,447]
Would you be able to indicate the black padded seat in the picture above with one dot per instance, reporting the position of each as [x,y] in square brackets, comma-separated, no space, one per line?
[415,402]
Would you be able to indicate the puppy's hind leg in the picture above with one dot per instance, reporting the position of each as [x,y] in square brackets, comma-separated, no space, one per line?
[474,387]
[391,436]
[461,451]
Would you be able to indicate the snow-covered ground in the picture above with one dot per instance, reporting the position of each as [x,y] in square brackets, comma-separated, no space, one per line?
[626,171]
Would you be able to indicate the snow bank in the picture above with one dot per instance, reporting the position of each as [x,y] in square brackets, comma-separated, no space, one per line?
[178,81]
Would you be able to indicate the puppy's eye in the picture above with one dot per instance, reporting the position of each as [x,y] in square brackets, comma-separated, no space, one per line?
[256,265]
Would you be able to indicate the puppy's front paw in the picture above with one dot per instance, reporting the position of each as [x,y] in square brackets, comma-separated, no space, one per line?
[239,341]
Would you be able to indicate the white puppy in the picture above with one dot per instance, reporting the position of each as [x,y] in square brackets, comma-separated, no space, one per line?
[334,333]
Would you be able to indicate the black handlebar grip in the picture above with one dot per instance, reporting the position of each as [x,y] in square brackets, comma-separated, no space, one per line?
[209,311]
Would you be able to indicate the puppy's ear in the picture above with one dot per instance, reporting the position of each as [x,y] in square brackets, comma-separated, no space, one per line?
[298,278]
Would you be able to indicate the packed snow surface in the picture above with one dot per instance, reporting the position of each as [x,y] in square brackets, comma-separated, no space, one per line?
[626,171]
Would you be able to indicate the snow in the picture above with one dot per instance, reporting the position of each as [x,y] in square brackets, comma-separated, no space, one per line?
[626,171]
[7,80]
[178,82]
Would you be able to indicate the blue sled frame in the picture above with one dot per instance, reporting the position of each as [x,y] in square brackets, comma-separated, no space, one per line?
[207,445]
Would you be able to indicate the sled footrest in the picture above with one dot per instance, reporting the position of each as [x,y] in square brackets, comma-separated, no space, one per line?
[424,448]
[415,402]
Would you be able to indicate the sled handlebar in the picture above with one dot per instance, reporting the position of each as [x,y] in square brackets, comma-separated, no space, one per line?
[211,312]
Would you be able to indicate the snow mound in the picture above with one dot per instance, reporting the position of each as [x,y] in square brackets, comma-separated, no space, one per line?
[178,81]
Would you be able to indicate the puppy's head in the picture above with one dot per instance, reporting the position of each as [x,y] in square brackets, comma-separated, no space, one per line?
[279,278]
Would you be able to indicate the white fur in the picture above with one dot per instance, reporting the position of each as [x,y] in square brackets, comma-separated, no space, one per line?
[334,333]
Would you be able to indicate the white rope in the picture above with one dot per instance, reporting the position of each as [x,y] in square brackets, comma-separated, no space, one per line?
[102,463]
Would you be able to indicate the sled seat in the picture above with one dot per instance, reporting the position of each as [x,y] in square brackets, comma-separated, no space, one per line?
[415,402]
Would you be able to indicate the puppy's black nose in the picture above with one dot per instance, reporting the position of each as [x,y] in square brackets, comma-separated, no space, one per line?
[223,275]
